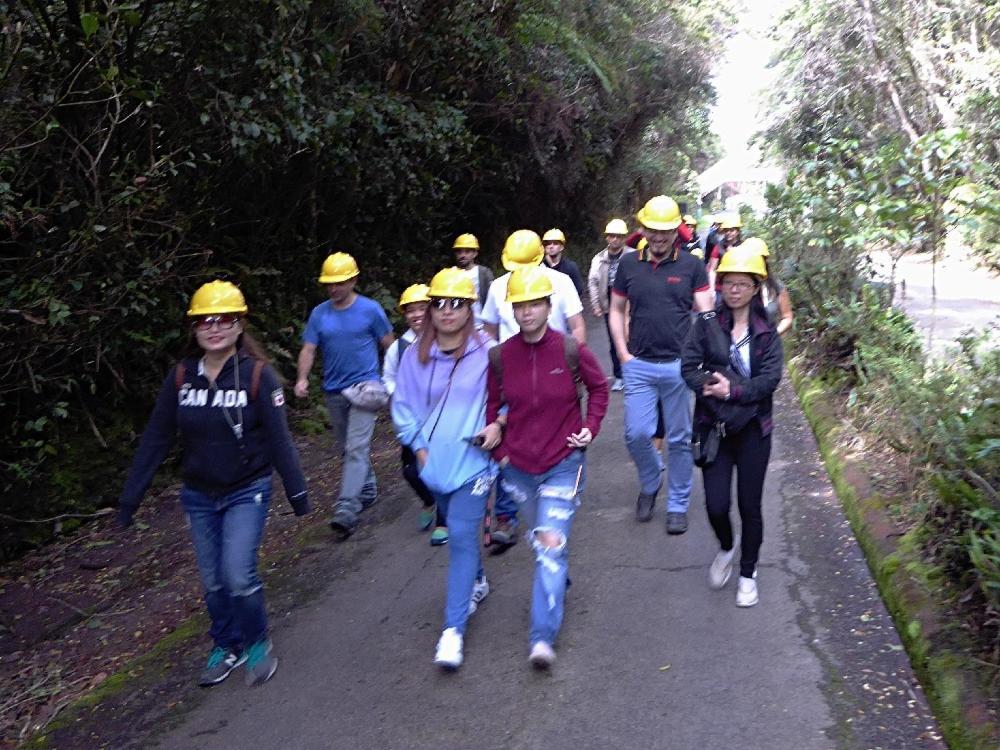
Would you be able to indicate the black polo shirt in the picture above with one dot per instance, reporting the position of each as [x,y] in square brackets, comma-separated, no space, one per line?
[660,296]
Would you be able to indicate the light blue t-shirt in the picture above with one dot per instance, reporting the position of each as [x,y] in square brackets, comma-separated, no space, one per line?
[348,340]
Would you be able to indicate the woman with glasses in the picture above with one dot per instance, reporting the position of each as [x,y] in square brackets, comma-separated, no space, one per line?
[732,359]
[227,406]
[439,409]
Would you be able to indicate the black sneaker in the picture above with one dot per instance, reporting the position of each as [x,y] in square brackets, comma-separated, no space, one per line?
[503,536]
[220,663]
[343,525]
[677,522]
[644,507]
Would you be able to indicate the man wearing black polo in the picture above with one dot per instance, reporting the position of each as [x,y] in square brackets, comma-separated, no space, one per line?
[660,285]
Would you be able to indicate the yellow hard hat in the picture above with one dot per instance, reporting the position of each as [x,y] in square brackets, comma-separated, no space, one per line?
[660,212]
[338,267]
[217,297]
[414,293]
[643,243]
[741,260]
[698,253]
[452,283]
[755,245]
[527,284]
[616,226]
[554,235]
[732,222]
[466,242]
[690,220]
[522,248]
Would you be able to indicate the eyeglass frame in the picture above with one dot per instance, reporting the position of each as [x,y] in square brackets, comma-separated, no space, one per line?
[207,322]
[456,303]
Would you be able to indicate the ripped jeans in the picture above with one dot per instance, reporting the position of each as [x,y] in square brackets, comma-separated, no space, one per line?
[226,531]
[557,493]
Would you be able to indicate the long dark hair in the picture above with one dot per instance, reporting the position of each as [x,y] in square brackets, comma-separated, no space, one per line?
[245,344]
[771,283]
[428,335]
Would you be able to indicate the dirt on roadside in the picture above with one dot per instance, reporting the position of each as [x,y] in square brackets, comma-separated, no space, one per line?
[76,612]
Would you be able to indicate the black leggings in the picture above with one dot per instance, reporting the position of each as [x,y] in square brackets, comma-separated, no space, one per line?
[748,451]
[411,473]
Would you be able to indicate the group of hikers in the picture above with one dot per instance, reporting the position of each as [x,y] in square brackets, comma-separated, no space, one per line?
[495,398]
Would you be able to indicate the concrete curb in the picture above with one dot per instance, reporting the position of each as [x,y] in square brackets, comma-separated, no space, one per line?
[934,641]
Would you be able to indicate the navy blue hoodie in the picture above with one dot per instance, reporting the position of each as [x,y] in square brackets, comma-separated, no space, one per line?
[213,461]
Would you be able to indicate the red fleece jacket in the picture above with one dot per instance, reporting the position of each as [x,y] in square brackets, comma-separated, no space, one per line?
[542,406]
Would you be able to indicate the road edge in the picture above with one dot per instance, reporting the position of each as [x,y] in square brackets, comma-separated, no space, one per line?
[905,580]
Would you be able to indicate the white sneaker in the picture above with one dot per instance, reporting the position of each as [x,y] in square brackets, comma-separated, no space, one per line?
[542,656]
[721,568]
[746,592]
[480,589]
[449,650]
[618,385]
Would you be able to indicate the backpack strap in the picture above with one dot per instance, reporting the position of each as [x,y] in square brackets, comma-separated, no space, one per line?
[496,365]
[571,351]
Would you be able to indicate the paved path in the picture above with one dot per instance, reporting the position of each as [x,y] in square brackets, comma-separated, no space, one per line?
[649,656]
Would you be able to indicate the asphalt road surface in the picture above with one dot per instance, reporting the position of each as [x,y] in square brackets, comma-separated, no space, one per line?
[649,656]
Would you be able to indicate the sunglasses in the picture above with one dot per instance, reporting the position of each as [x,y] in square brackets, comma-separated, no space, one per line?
[448,303]
[224,322]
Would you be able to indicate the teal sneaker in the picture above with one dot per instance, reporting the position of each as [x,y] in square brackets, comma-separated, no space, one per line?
[261,664]
[439,536]
[220,663]
[427,518]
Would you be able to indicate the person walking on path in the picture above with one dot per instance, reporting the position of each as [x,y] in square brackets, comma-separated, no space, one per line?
[348,330]
[227,405]
[774,295]
[730,235]
[413,305]
[660,285]
[439,410]
[554,243]
[542,438]
[603,269]
[466,249]
[524,248]
[732,361]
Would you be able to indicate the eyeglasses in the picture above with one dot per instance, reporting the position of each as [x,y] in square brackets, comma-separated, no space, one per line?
[225,322]
[739,286]
[449,303]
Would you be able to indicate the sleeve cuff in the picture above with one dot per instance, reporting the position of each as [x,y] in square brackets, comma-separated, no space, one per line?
[702,289]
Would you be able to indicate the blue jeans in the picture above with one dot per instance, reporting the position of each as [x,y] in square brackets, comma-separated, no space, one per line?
[226,531]
[464,510]
[557,494]
[352,438]
[646,385]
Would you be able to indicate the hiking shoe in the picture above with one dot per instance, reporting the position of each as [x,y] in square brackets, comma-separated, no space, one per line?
[721,568]
[221,662]
[542,656]
[618,385]
[504,535]
[677,522]
[480,589]
[644,506]
[746,592]
[439,536]
[343,525]
[261,663]
[427,518]
[448,654]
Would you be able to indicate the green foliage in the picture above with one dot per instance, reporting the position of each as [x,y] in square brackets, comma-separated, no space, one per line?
[146,147]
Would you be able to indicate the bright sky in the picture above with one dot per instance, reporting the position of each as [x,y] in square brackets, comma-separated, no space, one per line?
[743,79]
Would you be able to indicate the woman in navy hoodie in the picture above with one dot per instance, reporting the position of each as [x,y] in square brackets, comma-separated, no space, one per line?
[228,407]
[732,361]
[439,409]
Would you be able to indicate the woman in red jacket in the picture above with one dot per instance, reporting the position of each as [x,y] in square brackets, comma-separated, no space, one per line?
[541,438]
